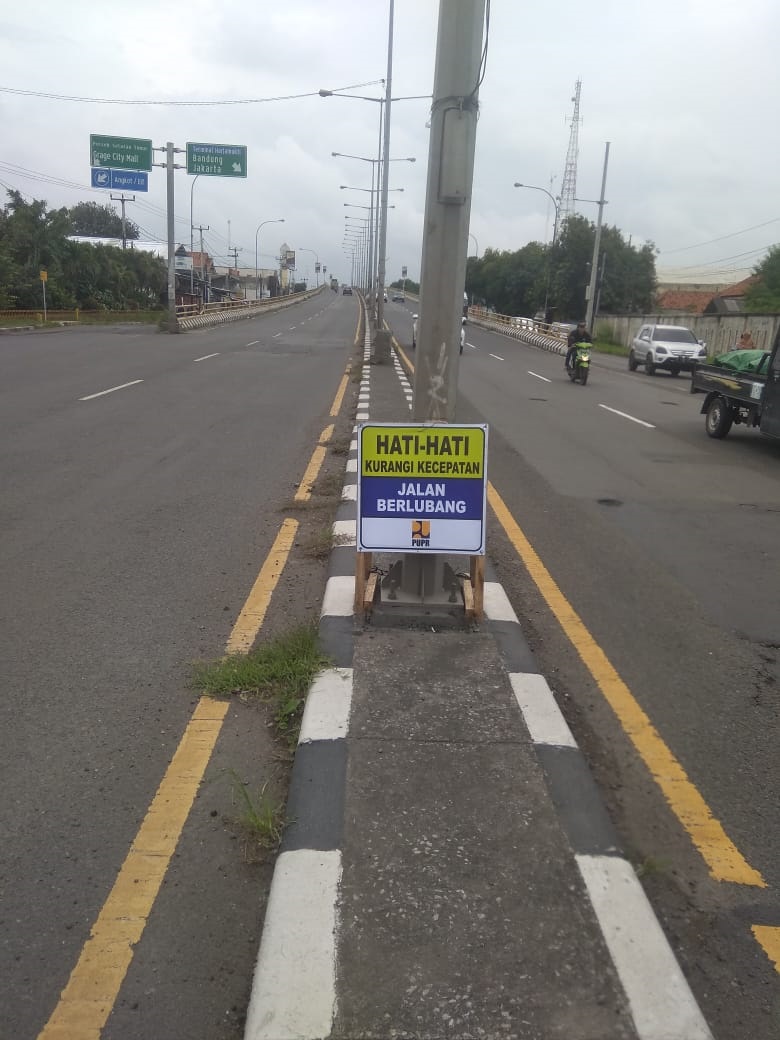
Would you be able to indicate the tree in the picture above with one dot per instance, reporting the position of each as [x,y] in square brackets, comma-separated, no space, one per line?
[33,237]
[763,296]
[95,221]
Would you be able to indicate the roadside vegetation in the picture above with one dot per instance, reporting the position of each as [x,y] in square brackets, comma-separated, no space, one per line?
[259,818]
[278,673]
[91,277]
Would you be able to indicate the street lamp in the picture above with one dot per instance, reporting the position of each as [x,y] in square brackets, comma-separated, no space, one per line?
[257,279]
[374,246]
[192,236]
[303,249]
[555,203]
[476,244]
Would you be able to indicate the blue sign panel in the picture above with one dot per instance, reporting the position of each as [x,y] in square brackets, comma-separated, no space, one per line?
[101,178]
[129,180]
[120,180]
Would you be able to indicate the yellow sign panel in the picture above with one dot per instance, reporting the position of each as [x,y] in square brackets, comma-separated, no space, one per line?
[422,451]
[44,276]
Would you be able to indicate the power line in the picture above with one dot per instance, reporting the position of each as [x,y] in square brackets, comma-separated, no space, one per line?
[721,238]
[175,104]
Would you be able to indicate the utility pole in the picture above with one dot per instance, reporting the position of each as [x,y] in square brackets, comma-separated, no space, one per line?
[448,207]
[121,198]
[170,168]
[235,251]
[594,267]
[203,266]
[452,145]
[201,228]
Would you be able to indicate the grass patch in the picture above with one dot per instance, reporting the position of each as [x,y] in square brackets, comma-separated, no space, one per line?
[318,546]
[605,347]
[278,673]
[329,485]
[340,445]
[650,867]
[605,343]
[260,819]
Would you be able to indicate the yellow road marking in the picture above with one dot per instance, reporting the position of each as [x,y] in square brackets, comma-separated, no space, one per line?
[88,997]
[723,859]
[254,610]
[303,494]
[770,940]
[91,991]
[340,395]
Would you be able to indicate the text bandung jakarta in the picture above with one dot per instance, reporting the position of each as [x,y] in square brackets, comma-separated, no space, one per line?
[420,499]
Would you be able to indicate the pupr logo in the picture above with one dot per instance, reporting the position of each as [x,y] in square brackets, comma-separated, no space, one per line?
[421,534]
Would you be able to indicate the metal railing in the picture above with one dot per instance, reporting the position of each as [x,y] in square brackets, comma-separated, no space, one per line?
[37,315]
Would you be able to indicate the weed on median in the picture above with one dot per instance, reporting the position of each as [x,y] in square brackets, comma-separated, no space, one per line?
[278,673]
[260,819]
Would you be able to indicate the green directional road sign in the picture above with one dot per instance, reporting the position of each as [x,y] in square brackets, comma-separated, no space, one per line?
[216,160]
[120,153]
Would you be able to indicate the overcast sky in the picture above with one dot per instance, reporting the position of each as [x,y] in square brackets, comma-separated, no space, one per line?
[685,91]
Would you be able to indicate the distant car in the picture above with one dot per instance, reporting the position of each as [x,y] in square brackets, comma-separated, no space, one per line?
[398,297]
[347,290]
[671,347]
[385,297]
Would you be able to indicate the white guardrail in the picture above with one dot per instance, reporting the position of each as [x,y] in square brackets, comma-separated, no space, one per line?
[190,316]
[538,334]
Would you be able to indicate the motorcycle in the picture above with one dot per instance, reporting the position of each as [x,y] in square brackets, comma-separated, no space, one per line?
[580,363]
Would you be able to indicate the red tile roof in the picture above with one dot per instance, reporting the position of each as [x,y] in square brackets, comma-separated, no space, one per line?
[691,301]
[739,288]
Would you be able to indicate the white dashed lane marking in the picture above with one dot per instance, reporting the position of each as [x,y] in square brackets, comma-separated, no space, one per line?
[102,393]
[624,415]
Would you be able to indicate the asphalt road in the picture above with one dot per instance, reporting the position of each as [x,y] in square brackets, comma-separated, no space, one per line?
[664,542]
[134,524]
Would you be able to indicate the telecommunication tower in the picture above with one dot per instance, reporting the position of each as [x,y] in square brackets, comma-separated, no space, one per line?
[569,184]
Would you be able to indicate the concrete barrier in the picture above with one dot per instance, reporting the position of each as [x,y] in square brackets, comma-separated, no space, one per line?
[219,317]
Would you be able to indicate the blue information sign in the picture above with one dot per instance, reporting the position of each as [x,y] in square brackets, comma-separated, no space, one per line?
[120,180]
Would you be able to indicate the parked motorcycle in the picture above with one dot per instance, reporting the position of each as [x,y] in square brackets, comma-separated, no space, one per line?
[580,363]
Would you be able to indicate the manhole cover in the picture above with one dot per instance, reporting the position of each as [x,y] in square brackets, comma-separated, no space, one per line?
[609,501]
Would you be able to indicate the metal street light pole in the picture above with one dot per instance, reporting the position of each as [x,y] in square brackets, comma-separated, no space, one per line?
[555,203]
[192,238]
[591,300]
[382,338]
[373,264]
[303,249]
[257,278]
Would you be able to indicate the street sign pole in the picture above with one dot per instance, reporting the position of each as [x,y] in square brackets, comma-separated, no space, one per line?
[172,323]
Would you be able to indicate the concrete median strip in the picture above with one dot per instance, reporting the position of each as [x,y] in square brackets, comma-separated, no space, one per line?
[295,986]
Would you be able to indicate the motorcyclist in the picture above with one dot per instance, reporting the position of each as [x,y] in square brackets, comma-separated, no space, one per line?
[578,335]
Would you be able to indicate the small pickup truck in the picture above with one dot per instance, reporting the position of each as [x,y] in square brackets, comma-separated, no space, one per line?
[750,398]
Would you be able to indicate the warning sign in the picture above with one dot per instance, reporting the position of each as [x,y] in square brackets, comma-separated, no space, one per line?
[422,488]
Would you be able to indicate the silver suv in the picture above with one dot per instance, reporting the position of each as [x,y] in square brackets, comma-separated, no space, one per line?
[672,347]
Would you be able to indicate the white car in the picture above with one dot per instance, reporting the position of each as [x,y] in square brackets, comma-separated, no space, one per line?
[672,347]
